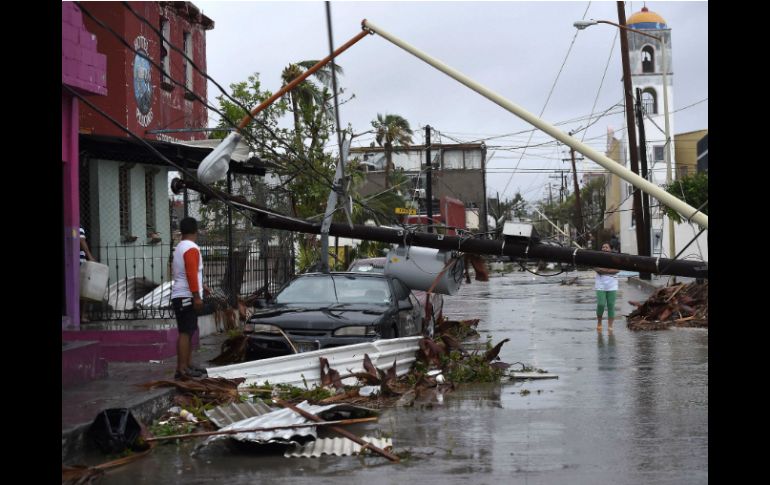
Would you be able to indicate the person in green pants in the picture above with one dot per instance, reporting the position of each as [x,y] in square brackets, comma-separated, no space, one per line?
[606,288]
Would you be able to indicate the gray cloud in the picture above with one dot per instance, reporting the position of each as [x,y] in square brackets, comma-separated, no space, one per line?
[514,48]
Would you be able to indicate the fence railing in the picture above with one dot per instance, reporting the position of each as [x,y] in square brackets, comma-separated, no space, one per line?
[139,282]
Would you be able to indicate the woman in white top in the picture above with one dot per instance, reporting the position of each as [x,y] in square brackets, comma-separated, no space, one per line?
[606,289]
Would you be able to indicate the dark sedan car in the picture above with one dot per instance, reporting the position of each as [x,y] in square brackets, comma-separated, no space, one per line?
[317,311]
[377,265]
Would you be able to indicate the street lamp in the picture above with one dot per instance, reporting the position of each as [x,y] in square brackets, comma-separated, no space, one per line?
[581,25]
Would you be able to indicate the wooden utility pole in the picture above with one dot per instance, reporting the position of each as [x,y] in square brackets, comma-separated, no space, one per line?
[578,205]
[632,146]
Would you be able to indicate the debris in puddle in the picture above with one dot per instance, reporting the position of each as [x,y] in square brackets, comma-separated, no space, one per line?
[524,392]
[682,305]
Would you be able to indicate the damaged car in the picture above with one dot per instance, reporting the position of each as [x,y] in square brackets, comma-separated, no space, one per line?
[322,310]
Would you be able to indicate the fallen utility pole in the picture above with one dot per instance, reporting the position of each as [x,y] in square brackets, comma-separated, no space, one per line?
[667,199]
[269,219]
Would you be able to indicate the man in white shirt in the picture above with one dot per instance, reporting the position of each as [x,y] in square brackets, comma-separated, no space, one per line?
[186,295]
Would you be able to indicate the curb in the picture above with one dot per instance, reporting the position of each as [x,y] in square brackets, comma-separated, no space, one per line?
[145,409]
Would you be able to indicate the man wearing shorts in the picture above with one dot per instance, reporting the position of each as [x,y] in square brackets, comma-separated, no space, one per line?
[186,296]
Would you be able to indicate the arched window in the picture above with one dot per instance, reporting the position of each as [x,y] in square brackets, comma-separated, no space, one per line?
[648,59]
[650,101]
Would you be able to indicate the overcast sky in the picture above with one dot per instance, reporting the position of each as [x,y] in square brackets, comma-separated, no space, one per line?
[514,48]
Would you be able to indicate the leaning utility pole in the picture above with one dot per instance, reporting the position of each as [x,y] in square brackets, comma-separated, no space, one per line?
[645,198]
[578,205]
[428,181]
[632,146]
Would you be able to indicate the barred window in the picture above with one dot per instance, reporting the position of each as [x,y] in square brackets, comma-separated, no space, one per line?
[650,101]
[124,193]
[188,50]
[165,59]
[149,199]
[658,153]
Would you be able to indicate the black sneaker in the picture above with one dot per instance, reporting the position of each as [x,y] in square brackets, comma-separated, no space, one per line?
[199,370]
[194,373]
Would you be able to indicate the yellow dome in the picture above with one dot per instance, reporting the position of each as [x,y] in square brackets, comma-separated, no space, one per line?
[646,17]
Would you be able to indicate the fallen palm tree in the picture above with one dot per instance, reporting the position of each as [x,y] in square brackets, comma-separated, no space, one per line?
[682,305]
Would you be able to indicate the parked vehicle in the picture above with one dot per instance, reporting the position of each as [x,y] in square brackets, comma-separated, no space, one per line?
[377,265]
[321,310]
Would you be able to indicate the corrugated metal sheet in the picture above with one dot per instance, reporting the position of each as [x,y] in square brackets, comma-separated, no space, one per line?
[232,413]
[304,368]
[336,447]
[283,417]
[159,298]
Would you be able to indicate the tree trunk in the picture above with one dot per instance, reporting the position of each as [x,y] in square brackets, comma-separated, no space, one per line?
[388,155]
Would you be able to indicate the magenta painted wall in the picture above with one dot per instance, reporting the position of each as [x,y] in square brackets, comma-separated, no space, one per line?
[83,69]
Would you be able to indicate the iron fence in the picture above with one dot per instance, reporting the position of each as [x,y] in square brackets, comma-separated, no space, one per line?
[139,283]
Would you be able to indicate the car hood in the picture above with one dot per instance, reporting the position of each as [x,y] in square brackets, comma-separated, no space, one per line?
[320,318]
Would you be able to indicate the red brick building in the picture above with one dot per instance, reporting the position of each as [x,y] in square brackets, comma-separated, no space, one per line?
[140,97]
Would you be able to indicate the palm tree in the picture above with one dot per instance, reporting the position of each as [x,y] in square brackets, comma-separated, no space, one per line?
[306,93]
[390,130]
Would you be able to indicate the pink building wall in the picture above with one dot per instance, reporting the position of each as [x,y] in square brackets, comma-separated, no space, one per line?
[83,70]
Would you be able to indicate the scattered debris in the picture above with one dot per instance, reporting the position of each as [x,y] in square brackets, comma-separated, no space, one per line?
[233,350]
[343,432]
[681,305]
[336,447]
[216,390]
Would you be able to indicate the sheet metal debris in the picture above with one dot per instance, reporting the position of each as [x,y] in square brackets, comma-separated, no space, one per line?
[302,369]
[234,412]
[283,417]
[336,447]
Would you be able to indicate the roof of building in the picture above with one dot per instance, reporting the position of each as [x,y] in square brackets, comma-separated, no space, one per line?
[646,20]
[434,146]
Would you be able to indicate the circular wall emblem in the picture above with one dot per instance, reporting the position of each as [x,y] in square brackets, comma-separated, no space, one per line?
[142,82]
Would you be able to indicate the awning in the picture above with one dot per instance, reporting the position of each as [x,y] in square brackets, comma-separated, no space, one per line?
[188,154]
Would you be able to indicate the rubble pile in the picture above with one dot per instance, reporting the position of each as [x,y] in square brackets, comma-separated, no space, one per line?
[681,305]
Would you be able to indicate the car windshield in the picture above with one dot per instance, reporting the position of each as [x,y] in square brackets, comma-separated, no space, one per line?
[335,289]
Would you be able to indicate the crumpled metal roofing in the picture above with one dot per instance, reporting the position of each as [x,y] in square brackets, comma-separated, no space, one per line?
[335,446]
[304,368]
[159,298]
[228,414]
[283,417]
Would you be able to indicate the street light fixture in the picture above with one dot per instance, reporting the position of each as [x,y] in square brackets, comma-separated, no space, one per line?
[583,24]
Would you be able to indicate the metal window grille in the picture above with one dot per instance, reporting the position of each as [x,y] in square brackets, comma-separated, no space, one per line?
[149,200]
[124,189]
[649,102]
[188,74]
[165,60]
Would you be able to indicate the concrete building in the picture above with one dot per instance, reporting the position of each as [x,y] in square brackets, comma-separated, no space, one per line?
[458,172]
[686,149]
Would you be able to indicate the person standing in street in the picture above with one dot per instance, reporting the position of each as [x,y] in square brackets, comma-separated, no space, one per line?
[186,296]
[615,243]
[606,289]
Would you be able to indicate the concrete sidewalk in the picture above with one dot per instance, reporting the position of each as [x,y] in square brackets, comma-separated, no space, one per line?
[120,389]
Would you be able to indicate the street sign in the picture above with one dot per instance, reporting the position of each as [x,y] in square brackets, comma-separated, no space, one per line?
[404,210]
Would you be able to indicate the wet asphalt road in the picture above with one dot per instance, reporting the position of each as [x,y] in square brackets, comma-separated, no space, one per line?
[631,408]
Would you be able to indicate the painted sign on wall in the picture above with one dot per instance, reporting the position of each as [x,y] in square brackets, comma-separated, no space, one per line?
[142,82]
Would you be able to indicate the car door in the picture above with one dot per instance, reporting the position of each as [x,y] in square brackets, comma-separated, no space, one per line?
[406,322]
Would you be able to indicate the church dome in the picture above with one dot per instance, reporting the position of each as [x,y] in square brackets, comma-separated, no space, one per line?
[646,20]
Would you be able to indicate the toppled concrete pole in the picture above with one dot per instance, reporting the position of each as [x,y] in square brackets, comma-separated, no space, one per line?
[686,210]
[643,264]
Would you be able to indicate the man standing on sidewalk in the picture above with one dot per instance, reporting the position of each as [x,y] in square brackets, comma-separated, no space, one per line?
[186,297]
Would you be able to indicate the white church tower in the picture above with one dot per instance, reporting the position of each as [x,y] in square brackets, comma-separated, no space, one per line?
[647,58]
